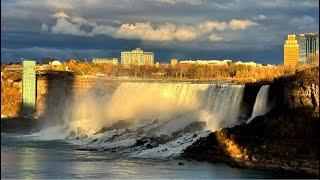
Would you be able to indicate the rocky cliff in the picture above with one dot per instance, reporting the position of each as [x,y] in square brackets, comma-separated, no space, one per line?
[286,138]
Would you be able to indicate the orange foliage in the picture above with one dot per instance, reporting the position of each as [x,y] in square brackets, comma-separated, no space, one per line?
[10,99]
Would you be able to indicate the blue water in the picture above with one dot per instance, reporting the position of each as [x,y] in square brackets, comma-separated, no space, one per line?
[27,158]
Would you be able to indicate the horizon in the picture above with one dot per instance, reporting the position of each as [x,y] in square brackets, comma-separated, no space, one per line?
[243,30]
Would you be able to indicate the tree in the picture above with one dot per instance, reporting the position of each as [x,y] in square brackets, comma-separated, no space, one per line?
[232,73]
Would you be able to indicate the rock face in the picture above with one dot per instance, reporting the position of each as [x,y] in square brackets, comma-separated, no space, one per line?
[285,139]
[299,95]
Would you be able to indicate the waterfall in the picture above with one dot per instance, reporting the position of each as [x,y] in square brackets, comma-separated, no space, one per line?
[157,110]
[261,103]
[219,103]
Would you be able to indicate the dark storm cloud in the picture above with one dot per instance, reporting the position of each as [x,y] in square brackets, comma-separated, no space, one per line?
[237,29]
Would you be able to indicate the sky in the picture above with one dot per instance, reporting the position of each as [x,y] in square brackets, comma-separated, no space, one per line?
[247,30]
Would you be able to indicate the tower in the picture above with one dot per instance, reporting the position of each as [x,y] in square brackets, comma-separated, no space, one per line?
[28,87]
[291,51]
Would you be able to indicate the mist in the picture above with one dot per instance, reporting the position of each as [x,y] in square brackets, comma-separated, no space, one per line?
[174,105]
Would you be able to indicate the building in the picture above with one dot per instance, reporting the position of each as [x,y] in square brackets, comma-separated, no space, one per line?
[252,64]
[174,62]
[206,62]
[56,63]
[137,57]
[187,62]
[157,64]
[113,61]
[28,87]
[291,51]
[308,46]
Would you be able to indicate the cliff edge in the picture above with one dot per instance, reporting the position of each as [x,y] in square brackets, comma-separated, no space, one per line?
[284,139]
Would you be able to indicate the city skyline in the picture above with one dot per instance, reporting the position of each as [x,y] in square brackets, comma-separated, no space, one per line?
[178,29]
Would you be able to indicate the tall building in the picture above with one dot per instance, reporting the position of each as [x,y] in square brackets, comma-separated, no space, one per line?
[113,61]
[137,57]
[291,51]
[308,46]
[28,87]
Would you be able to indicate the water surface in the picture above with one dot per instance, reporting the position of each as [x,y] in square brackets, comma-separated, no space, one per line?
[26,157]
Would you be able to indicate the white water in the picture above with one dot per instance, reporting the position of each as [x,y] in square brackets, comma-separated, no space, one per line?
[261,103]
[152,109]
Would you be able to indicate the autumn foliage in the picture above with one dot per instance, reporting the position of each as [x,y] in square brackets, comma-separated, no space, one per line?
[11,92]
[236,73]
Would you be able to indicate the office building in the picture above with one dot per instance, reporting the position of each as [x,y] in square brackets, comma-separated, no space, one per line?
[308,46]
[28,87]
[291,51]
[137,57]
[113,61]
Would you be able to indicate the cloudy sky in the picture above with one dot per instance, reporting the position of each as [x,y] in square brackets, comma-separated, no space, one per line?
[249,30]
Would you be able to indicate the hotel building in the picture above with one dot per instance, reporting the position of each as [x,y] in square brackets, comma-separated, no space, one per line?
[299,48]
[291,51]
[137,57]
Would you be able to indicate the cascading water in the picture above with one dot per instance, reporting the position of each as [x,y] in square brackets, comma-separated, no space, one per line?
[162,100]
[169,111]
[261,103]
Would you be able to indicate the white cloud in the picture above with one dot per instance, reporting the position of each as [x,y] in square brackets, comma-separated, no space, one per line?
[259,17]
[208,26]
[304,22]
[57,4]
[238,24]
[185,34]
[44,27]
[224,6]
[214,37]
[63,26]
[60,15]
[146,31]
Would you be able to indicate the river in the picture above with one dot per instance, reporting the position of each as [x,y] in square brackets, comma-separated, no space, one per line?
[24,157]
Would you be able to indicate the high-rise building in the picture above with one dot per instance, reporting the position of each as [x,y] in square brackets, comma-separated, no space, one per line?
[137,57]
[308,46]
[291,51]
[28,87]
